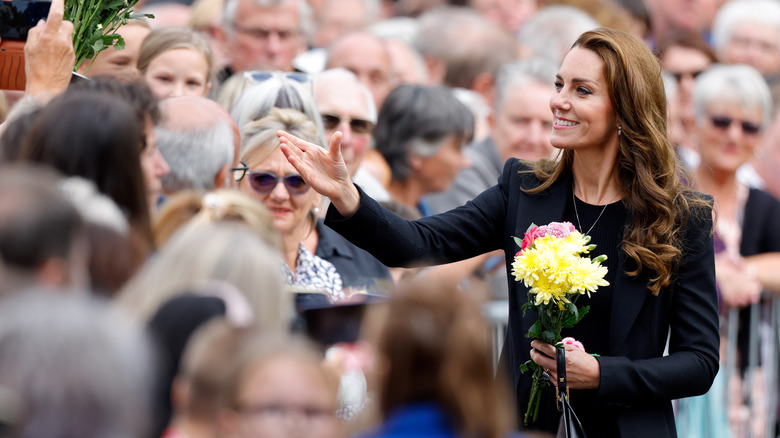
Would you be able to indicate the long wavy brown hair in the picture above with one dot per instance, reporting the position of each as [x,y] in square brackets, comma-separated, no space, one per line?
[650,178]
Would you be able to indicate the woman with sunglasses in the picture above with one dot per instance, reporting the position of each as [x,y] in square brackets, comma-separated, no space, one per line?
[314,255]
[732,107]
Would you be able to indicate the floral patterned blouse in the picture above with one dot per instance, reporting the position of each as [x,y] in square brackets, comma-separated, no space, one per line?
[315,273]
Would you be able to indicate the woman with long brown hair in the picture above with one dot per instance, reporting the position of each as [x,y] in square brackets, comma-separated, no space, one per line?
[617,180]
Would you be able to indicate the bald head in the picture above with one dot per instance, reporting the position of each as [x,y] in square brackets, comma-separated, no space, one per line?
[367,57]
[200,141]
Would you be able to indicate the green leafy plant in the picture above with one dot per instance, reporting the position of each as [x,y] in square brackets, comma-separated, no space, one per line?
[95,23]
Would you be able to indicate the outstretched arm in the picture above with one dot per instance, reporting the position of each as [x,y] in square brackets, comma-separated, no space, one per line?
[325,171]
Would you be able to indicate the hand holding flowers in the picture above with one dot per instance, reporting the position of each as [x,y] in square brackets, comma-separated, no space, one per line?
[553,264]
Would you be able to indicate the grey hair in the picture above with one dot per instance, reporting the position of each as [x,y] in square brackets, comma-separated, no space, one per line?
[397,28]
[468,44]
[198,253]
[323,78]
[735,12]
[551,32]
[417,120]
[304,13]
[737,84]
[74,366]
[520,74]
[277,91]
[195,156]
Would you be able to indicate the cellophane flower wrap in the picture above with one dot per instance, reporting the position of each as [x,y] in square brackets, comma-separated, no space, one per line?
[553,263]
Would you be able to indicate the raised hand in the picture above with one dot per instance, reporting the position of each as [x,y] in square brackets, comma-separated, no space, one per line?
[324,171]
[48,53]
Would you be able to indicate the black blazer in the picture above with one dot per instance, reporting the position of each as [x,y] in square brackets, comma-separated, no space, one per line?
[637,381]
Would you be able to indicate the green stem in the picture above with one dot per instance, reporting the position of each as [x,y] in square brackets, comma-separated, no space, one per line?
[534,399]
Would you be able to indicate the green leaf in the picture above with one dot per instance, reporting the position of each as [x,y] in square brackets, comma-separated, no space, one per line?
[98,46]
[120,43]
[547,336]
[529,227]
[518,241]
[534,331]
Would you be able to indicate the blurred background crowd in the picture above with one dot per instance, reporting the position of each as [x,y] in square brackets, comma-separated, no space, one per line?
[165,272]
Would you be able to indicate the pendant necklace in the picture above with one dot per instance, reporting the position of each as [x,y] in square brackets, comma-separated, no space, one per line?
[577,214]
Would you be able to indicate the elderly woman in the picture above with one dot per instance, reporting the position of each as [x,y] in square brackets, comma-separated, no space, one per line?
[748,32]
[733,108]
[420,132]
[314,255]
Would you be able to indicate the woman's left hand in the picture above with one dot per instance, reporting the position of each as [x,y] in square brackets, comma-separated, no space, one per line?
[582,369]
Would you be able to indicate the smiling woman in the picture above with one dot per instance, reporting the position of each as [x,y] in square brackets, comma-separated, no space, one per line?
[176,62]
[618,173]
[314,255]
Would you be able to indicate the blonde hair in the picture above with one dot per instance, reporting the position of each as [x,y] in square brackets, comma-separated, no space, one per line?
[232,253]
[193,208]
[164,39]
[258,137]
[270,346]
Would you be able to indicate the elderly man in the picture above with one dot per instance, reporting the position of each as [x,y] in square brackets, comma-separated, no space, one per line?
[200,142]
[521,124]
[263,34]
[346,105]
[367,57]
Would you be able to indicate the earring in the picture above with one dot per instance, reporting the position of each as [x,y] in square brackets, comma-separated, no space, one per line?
[316,210]
[620,130]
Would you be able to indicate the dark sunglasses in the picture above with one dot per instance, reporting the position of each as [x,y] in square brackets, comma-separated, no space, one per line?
[265,182]
[239,172]
[749,128]
[358,126]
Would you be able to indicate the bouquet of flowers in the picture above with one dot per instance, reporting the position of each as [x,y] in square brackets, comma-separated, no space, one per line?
[95,23]
[553,264]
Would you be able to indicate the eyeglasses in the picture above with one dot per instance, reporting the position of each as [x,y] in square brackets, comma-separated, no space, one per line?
[239,172]
[358,126]
[723,123]
[262,34]
[265,183]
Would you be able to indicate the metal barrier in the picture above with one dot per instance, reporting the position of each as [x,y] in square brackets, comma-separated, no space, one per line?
[497,315]
[760,384]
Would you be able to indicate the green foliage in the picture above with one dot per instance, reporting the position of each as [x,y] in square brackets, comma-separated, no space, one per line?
[95,23]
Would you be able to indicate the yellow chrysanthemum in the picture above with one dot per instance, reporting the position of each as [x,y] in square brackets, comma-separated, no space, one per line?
[553,268]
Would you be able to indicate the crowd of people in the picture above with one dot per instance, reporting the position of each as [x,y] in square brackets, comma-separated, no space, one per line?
[282,218]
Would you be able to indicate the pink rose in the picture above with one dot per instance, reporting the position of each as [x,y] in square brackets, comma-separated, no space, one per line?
[557,229]
[574,342]
[529,237]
